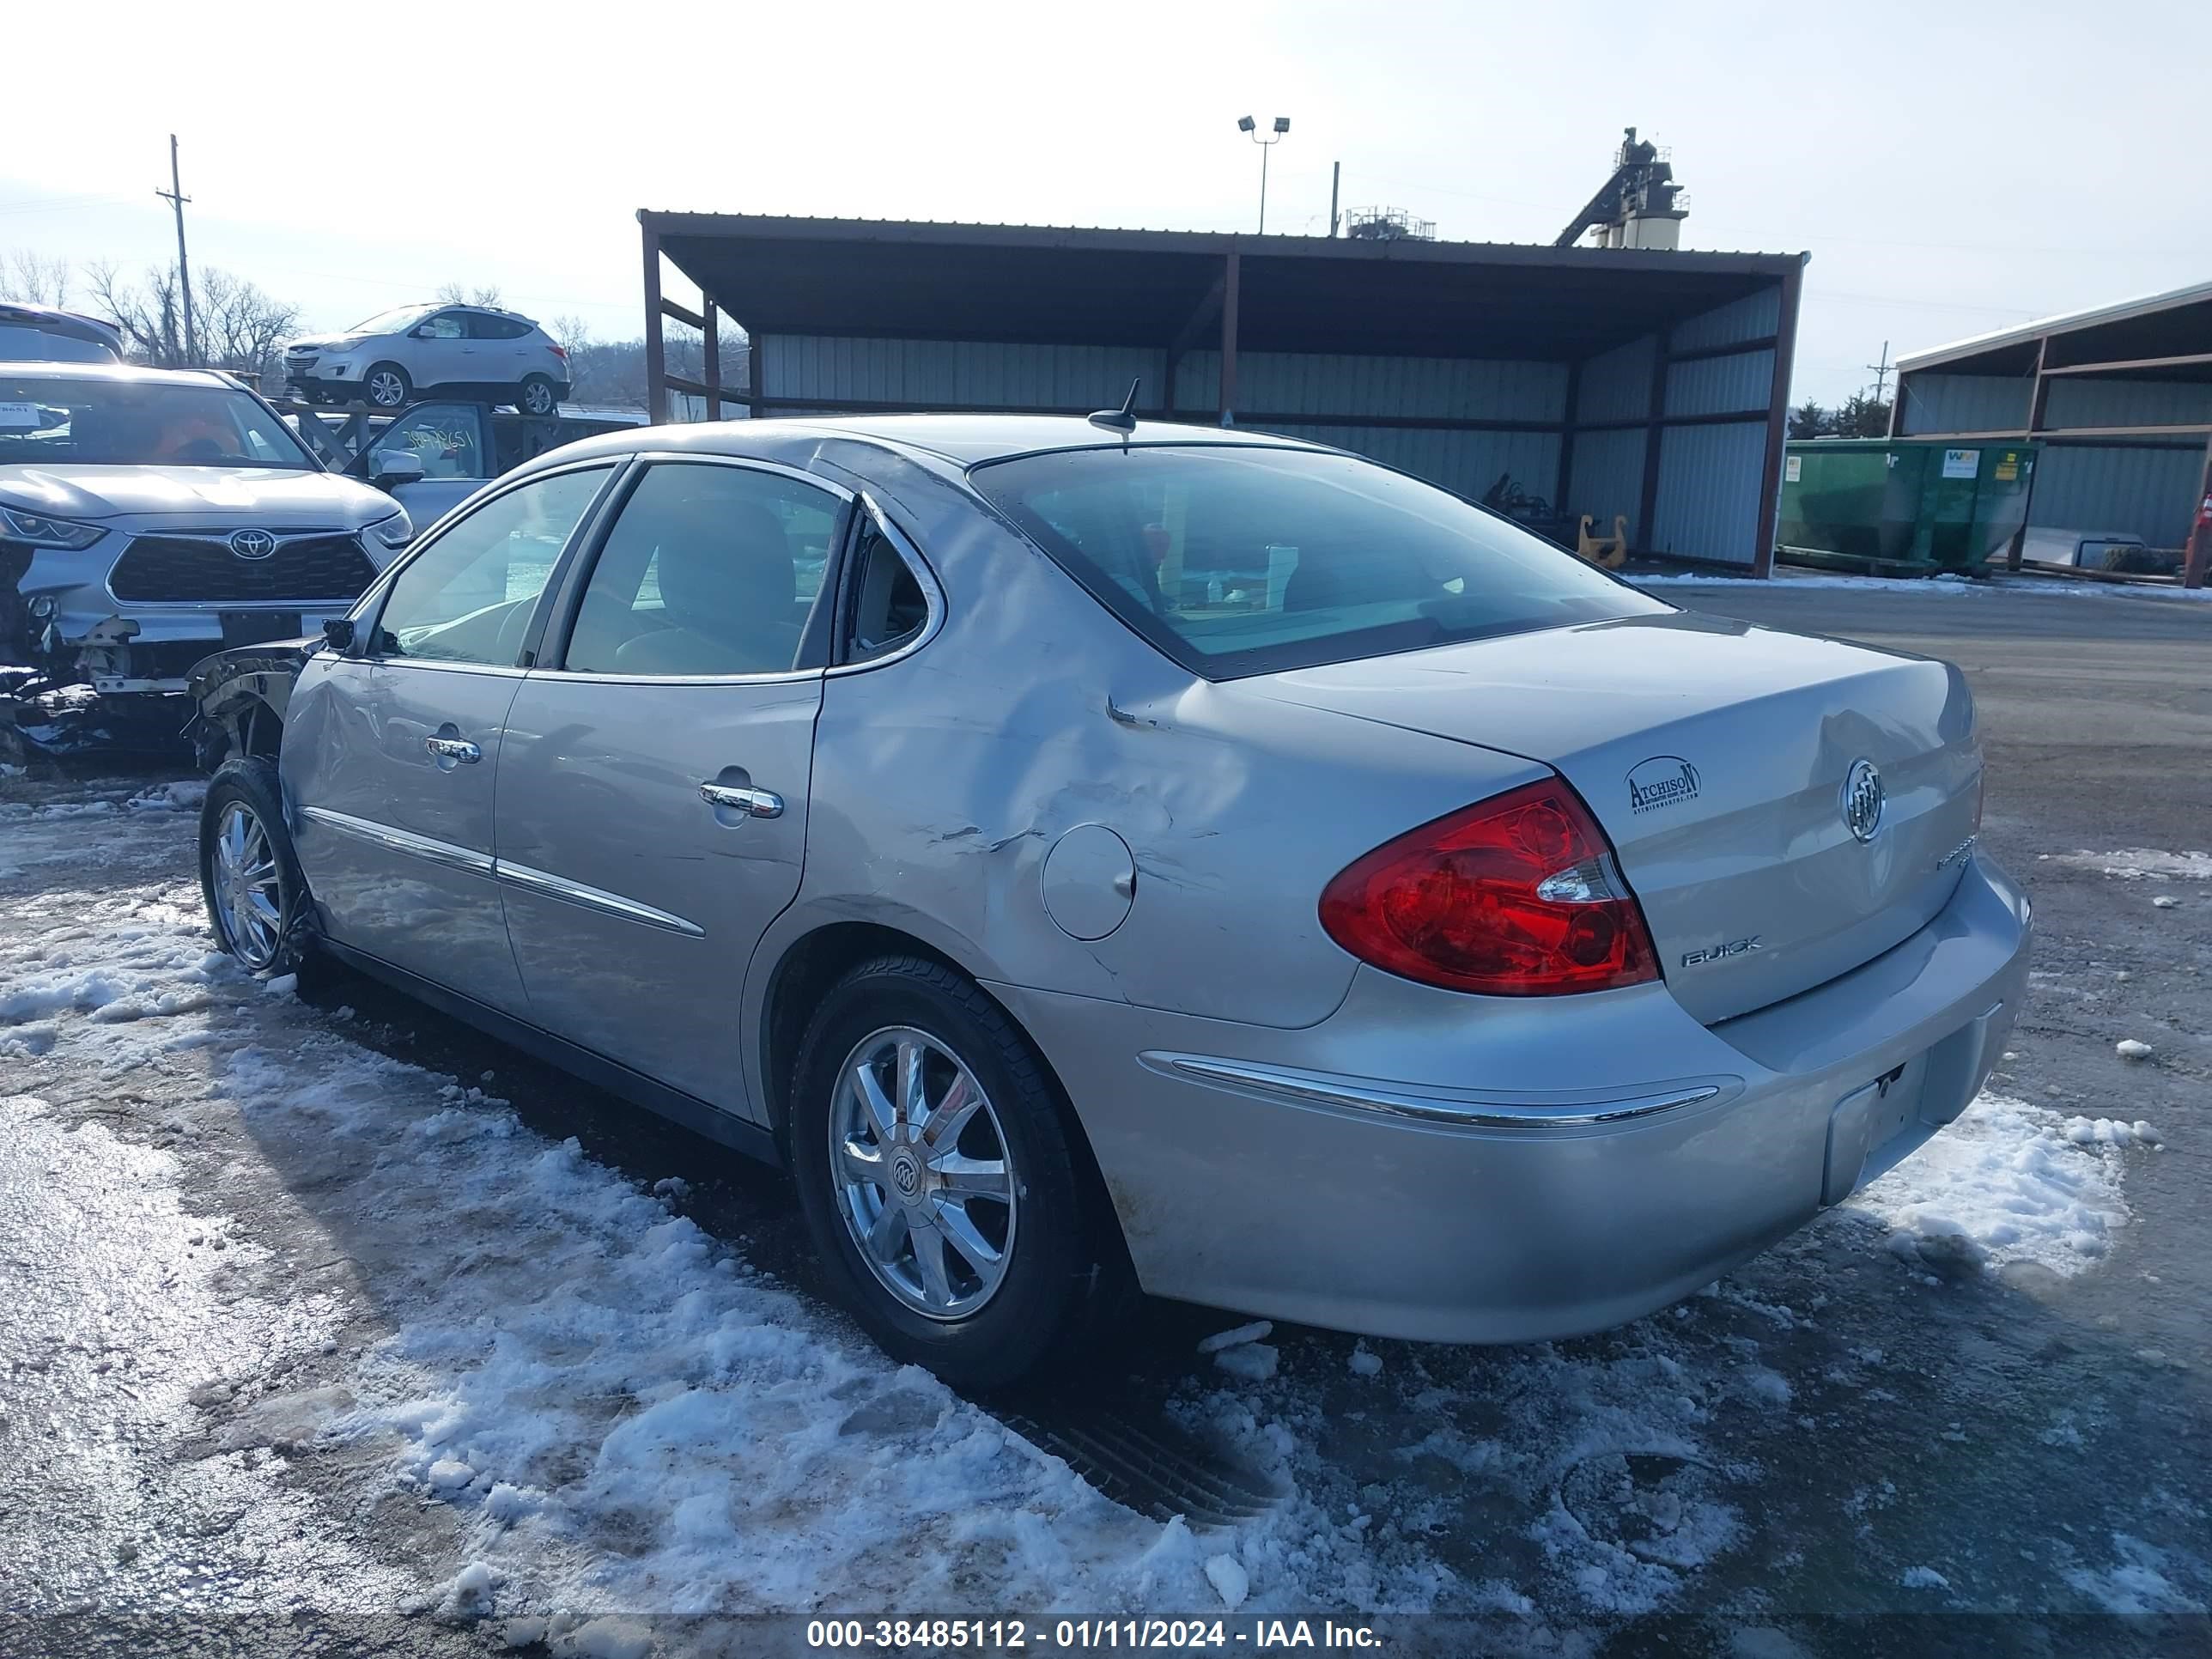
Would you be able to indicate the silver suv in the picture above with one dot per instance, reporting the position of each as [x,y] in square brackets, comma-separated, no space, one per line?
[149,517]
[396,356]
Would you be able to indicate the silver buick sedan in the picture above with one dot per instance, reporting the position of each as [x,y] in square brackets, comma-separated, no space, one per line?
[1168,858]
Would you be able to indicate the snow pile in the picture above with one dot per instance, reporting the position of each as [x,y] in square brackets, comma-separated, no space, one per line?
[1950,586]
[2142,1581]
[2109,1131]
[2141,863]
[2130,1048]
[2007,1182]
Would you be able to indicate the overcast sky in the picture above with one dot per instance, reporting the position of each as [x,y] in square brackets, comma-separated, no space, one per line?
[1952,169]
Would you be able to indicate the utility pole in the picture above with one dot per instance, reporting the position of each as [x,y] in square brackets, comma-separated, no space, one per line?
[175,196]
[1335,177]
[1881,374]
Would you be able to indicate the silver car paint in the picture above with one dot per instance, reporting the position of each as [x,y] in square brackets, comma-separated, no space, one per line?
[182,501]
[1283,1130]
[312,364]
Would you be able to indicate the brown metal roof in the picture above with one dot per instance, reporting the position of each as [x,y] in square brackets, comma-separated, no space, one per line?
[1149,288]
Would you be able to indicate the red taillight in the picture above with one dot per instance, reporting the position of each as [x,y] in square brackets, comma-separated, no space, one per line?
[561,352]
[1517,895]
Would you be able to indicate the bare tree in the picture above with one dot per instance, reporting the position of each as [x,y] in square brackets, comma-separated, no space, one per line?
[239,326]
[35,279]
[453,293]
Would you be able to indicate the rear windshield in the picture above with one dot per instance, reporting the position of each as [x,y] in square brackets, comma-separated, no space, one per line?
[51,421]
[1238,561]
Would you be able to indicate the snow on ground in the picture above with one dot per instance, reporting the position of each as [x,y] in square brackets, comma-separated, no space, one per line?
[2008,1182]
[2139,864]
[620,1413]
[1945,586]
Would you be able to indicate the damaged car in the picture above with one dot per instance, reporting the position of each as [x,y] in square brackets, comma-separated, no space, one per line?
[149,517]
[1102,856]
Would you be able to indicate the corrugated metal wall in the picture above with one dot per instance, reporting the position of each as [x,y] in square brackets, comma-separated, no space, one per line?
[2086,402]
[953,373]
[2144,492]
[1709,477]
[1755,317]
[1721,386]
[1608,480]
[1965,403]
[1616,385]
[1316,383]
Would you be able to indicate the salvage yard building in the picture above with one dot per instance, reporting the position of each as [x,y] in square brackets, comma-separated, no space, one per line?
[1644,386]
[2119,397]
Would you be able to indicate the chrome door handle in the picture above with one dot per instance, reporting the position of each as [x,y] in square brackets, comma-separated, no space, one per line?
[753,803]
[454,749]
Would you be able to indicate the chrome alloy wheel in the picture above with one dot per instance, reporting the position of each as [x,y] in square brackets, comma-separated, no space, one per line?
[387,390]
[923,1175]
[249,897]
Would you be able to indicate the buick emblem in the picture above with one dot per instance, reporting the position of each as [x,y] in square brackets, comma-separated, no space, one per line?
[253,544]
[1863,799]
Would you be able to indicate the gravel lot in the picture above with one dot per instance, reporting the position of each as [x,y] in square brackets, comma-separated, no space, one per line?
[331,1322]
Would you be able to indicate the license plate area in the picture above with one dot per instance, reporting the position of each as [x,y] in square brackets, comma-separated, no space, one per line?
[1863,1125]
[259,627]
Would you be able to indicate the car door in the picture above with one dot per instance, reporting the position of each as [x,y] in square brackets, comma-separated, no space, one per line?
[450,440]
[393,749]
[506,350]
[440,352]
[653,787]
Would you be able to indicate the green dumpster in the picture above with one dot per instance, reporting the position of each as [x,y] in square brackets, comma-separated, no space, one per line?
[1901,506]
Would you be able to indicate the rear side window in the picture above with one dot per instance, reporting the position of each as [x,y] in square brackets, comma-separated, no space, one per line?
[1242,560]
[496,328]
[709,570]
[887,607]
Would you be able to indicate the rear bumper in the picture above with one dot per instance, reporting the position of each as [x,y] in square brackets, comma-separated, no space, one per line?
[1433,1166]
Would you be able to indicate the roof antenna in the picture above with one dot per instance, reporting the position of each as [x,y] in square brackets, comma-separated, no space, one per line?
[1122,420]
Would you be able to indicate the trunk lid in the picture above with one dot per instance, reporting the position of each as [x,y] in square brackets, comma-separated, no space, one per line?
[1718,756]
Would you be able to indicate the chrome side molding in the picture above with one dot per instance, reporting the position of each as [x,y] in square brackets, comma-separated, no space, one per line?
[1362,1094]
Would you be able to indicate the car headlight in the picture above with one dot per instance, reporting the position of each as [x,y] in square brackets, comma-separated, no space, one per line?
[395,532]
[40,531]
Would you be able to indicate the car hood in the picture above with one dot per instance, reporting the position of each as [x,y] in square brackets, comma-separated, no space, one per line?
[273,498]
[316,340]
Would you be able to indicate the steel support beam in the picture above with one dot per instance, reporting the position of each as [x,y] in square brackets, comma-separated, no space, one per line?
[1654,430]
[1777,423]
[656,354]
[710,354]
[1231,280]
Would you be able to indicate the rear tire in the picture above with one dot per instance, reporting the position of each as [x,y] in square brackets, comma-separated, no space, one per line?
[387,386]
[537,397]
[257,899]
[1061,1278]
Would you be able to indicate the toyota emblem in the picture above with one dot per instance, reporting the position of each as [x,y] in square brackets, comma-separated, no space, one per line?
[1863,799]
[253,544]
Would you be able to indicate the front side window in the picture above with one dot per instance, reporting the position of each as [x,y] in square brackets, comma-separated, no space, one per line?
[468,595]
[445,325]
[1244,560]
[709,570]
[448,437]
[47,421]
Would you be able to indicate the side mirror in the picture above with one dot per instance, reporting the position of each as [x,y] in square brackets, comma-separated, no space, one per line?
[338,630]
[393,467]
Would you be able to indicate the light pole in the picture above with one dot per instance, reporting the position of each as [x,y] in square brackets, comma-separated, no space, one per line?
[1250,129]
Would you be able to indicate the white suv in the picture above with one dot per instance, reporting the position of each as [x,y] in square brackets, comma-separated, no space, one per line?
[457,351]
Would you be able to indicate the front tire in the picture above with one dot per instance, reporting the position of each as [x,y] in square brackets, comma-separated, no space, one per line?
[938,1182]
[387,386]
[257,899]
[537,397]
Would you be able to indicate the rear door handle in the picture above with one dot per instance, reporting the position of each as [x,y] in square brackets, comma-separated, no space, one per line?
[753,803]
[454,749]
